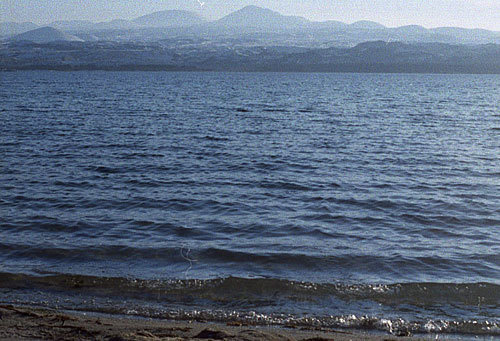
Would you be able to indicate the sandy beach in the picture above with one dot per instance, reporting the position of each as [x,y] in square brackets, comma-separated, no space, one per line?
[27,323]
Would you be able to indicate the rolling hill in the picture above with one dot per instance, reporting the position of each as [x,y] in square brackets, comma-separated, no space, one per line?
[253,16]
[44,35]
[170,18]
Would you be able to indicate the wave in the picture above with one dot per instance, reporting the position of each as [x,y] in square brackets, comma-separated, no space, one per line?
[400,308]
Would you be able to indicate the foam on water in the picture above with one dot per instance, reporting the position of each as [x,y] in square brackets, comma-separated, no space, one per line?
[397,308]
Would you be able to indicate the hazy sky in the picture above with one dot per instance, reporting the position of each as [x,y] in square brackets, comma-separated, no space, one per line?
[428,13]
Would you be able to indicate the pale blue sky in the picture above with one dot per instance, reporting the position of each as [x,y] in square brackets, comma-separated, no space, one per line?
[428,13]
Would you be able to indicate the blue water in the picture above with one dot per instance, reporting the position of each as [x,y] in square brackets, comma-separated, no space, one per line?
[363,201]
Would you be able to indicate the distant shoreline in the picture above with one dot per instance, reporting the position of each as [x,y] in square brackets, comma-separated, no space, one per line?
[374,69]
[368,57]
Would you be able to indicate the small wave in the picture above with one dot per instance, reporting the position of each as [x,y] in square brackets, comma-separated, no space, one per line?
[327,218]
[448,220]
[144,183]
[245,300]
[284,185]
[72,184]
[417,293]
[306,110]
[106,146]
[139,155]
[216,138]
[106,169]
[374,204]
[268,166]
[275,110]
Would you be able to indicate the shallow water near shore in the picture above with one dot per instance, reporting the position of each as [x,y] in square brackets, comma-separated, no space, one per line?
[366,201]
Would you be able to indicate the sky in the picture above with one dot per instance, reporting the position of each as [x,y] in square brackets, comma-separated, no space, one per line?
[428,13]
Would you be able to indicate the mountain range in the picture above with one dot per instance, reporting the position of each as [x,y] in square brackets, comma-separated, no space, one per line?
[250,39]
[257,25]
[375,56]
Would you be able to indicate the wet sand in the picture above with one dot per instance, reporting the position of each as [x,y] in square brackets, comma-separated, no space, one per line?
[27,323]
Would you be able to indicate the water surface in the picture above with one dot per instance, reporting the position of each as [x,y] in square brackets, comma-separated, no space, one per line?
[347,200]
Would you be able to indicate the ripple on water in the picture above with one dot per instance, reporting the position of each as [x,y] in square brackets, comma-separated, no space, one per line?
[360,180]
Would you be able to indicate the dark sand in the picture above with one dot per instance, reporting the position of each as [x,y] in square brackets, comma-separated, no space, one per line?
[26,323]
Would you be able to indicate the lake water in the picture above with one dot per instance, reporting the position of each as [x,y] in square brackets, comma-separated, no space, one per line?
[365,201]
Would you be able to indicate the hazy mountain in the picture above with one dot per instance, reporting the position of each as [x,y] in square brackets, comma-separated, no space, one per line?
[367,25]
[253,25]
[72,25]
[263,18]
[416,33]
[118,24]
[446,56]
[464,35]
[157,19]
[75,26]
[329,24]
[13,28]
[44,35]
[458,31]
[173,18]
[86,26]
[411,29]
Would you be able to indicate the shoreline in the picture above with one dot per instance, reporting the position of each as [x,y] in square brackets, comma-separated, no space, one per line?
[28,323]
[161,68]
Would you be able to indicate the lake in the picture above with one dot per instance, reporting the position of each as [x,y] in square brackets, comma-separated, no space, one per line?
[343,200]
